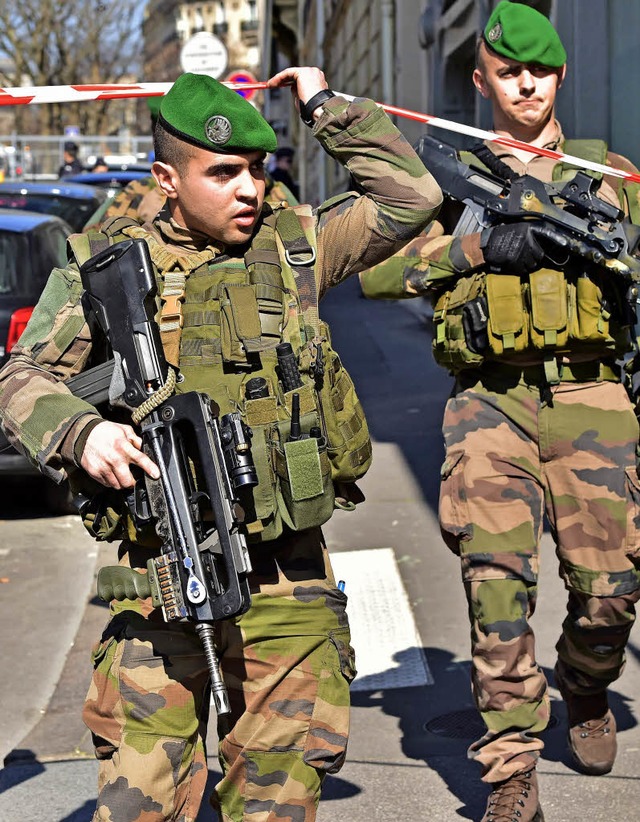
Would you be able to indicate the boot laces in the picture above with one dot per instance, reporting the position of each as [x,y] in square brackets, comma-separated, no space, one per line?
[594,728]
[507,800]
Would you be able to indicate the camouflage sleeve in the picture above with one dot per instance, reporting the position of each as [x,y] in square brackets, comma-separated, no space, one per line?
[38,413]
[417,268]
[140,199]
[400,197]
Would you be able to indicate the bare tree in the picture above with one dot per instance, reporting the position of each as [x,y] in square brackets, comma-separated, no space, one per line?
[69,42]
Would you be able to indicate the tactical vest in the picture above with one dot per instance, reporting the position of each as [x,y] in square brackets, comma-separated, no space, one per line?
[484,316]
[221,323]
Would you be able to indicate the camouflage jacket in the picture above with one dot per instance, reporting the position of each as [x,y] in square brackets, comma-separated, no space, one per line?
[354,231]
[411,271]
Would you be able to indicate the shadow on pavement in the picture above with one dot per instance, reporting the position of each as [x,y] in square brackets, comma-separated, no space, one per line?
[20,766]
[438,723]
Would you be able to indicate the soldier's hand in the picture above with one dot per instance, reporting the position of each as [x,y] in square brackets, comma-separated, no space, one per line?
[110,451]
[512,248]
[305,82]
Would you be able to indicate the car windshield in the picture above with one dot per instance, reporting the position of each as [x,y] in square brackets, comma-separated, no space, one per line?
[73,211]
[15,265]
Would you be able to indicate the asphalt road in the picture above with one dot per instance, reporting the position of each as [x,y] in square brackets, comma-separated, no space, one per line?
[407,752]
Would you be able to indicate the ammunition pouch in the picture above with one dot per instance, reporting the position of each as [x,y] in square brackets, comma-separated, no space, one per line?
[547,312]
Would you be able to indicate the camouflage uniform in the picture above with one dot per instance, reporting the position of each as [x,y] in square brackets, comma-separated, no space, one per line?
[517,449]
[287,662]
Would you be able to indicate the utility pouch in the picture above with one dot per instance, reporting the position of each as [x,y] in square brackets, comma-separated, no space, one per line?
[548,295]
[450,345]
[475,319]
[240,327]
[305,489]
[588,311]
[507,329]
[345,426]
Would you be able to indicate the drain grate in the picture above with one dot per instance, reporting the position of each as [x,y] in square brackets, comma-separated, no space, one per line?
[463,725]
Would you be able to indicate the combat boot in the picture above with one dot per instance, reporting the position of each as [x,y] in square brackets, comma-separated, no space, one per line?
[515,799]
[592,730]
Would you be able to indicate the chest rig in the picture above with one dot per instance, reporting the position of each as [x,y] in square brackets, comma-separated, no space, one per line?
[221,321]
[485,316]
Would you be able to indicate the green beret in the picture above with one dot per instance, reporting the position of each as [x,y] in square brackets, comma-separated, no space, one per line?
[201,111]
[521,33]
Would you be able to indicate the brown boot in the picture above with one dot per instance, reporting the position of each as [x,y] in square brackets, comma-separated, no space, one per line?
[515,799]
[592,730]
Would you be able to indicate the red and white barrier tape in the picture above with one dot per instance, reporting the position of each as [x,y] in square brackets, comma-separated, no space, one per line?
[118,91]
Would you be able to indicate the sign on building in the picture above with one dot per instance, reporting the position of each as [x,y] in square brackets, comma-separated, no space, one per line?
[204,53]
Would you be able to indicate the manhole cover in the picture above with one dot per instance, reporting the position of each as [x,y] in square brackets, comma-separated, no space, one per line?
[463,724]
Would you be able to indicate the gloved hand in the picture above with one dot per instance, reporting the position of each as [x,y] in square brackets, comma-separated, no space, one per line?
[512,248]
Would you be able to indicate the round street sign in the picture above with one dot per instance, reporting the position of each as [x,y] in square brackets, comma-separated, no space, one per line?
[242,77]
[204,53]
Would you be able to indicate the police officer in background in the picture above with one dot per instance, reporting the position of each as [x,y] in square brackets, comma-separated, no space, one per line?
[71,164]
[538,422]
[228,268]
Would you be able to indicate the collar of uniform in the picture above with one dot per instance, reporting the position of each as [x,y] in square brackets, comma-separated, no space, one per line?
[175,235]
[554,143]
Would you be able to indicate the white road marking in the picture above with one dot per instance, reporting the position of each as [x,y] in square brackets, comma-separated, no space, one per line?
[383,631]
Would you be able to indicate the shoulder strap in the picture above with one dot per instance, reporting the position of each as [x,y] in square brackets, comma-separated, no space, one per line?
[300,254]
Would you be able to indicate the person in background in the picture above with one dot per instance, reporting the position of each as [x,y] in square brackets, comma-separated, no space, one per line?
[280,170]
[538,422]
[100,165]
[71,164]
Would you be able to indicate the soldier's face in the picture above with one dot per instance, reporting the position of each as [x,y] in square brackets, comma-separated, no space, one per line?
[523,95]
[220,195]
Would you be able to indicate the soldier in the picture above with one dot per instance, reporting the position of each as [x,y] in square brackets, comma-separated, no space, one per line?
[538,421]
[287,662]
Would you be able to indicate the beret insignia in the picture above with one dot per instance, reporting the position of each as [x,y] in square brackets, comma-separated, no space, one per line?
[495,34]
[218,130]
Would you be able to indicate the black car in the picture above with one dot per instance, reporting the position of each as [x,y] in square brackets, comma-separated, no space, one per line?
[111,181]
[72,202]
[30,246]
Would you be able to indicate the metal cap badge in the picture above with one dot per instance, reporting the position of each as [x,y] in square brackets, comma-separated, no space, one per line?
[218,130]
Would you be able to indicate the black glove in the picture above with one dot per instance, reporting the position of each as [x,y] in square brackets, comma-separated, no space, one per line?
[512,248]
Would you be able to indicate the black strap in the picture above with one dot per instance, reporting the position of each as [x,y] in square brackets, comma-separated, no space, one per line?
[494,164]
[307,109]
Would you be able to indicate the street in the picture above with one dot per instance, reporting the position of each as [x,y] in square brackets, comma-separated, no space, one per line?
[413,717]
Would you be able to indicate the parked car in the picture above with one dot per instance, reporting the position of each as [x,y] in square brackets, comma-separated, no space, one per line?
[30,246]
[112,181]
[72,202]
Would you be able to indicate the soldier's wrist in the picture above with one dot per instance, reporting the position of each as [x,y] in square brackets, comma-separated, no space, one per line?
[80,439]
[308,109]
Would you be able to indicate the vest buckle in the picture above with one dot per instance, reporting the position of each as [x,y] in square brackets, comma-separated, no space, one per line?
[304,258]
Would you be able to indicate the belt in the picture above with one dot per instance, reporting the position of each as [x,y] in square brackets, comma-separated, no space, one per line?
[590,371]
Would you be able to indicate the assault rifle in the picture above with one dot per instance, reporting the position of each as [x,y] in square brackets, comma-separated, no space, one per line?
[201,574]
[570,216]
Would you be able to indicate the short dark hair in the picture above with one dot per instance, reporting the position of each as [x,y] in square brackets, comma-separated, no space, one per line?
[170,150]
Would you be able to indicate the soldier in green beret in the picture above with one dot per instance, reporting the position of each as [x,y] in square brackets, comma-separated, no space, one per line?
[236,278]
[538,423]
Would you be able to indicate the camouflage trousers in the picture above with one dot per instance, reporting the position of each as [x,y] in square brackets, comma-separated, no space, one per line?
[287,664]
[511,458]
